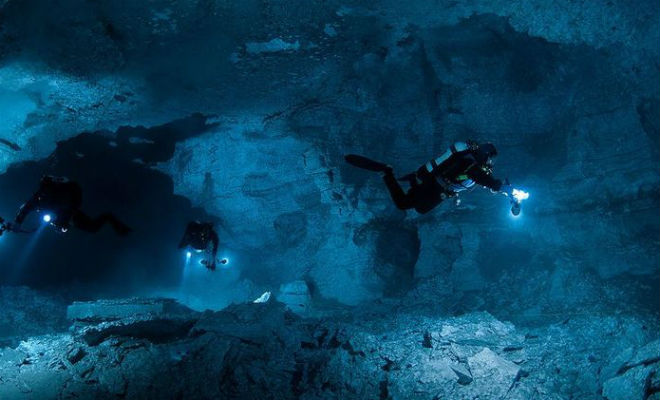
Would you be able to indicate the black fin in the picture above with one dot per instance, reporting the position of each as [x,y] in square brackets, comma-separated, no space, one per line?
[365,163]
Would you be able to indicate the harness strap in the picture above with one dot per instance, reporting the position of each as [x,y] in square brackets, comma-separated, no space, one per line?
[453,149]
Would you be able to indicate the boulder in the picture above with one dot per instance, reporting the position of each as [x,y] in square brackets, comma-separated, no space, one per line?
[296,296]
[633,373]
[632,385]
[464,376]
[493,375]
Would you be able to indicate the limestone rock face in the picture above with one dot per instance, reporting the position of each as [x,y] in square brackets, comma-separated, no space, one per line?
[296,297]
[264,350]
[567,91]
[493,375]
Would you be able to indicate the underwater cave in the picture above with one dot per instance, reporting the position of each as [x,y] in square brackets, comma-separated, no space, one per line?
[295,199]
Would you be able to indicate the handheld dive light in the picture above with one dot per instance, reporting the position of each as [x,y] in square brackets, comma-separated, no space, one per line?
[517,197]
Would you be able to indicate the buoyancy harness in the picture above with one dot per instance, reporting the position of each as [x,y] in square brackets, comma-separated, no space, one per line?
[435,170]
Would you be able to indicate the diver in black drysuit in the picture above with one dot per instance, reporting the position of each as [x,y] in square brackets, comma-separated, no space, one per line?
[62,198]
[462,166]
[3,226]
[10,227]
[199,235]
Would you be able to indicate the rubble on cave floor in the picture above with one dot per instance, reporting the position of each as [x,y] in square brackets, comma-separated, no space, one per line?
[156,348]
[26,312]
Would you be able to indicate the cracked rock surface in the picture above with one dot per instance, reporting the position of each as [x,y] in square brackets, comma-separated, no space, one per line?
[380,352]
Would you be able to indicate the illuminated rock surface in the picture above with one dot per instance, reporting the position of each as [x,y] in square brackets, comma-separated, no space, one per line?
[568,92]
[240,112]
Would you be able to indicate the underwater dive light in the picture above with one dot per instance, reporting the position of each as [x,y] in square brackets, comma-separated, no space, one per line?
[188,254]
[520,195]
[47,218]
[517,197]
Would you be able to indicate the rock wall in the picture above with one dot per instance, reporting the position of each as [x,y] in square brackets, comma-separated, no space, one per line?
[568,91]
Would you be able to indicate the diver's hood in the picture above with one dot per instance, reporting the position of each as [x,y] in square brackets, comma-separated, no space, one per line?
[486,151]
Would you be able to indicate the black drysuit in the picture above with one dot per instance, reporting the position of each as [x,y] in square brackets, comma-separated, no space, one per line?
[199,235]
[461,167]
[62,199]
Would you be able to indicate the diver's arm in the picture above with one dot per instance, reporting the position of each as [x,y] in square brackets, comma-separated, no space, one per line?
[485,179]
[26,209]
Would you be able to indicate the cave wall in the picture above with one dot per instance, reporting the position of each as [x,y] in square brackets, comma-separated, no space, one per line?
[567,91]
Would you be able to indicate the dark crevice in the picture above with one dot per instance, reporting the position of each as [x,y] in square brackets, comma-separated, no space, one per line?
[648,110]
[10,145]
[426,342]
[156,331]
[383,390]
[644,363]
[112,181]
[349,348]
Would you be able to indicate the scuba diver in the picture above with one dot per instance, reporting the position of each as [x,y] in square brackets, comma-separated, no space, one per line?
[3,226]
[198,236]
[9,227]
[60,200]
[462,166]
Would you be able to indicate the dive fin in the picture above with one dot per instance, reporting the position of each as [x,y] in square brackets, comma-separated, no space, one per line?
[365,163]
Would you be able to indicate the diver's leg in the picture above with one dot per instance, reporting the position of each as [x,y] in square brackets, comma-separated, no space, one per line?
[428,195]
[402,200]
[210,259]
[411,178]
[84,222]
[365,163]
[120,228]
